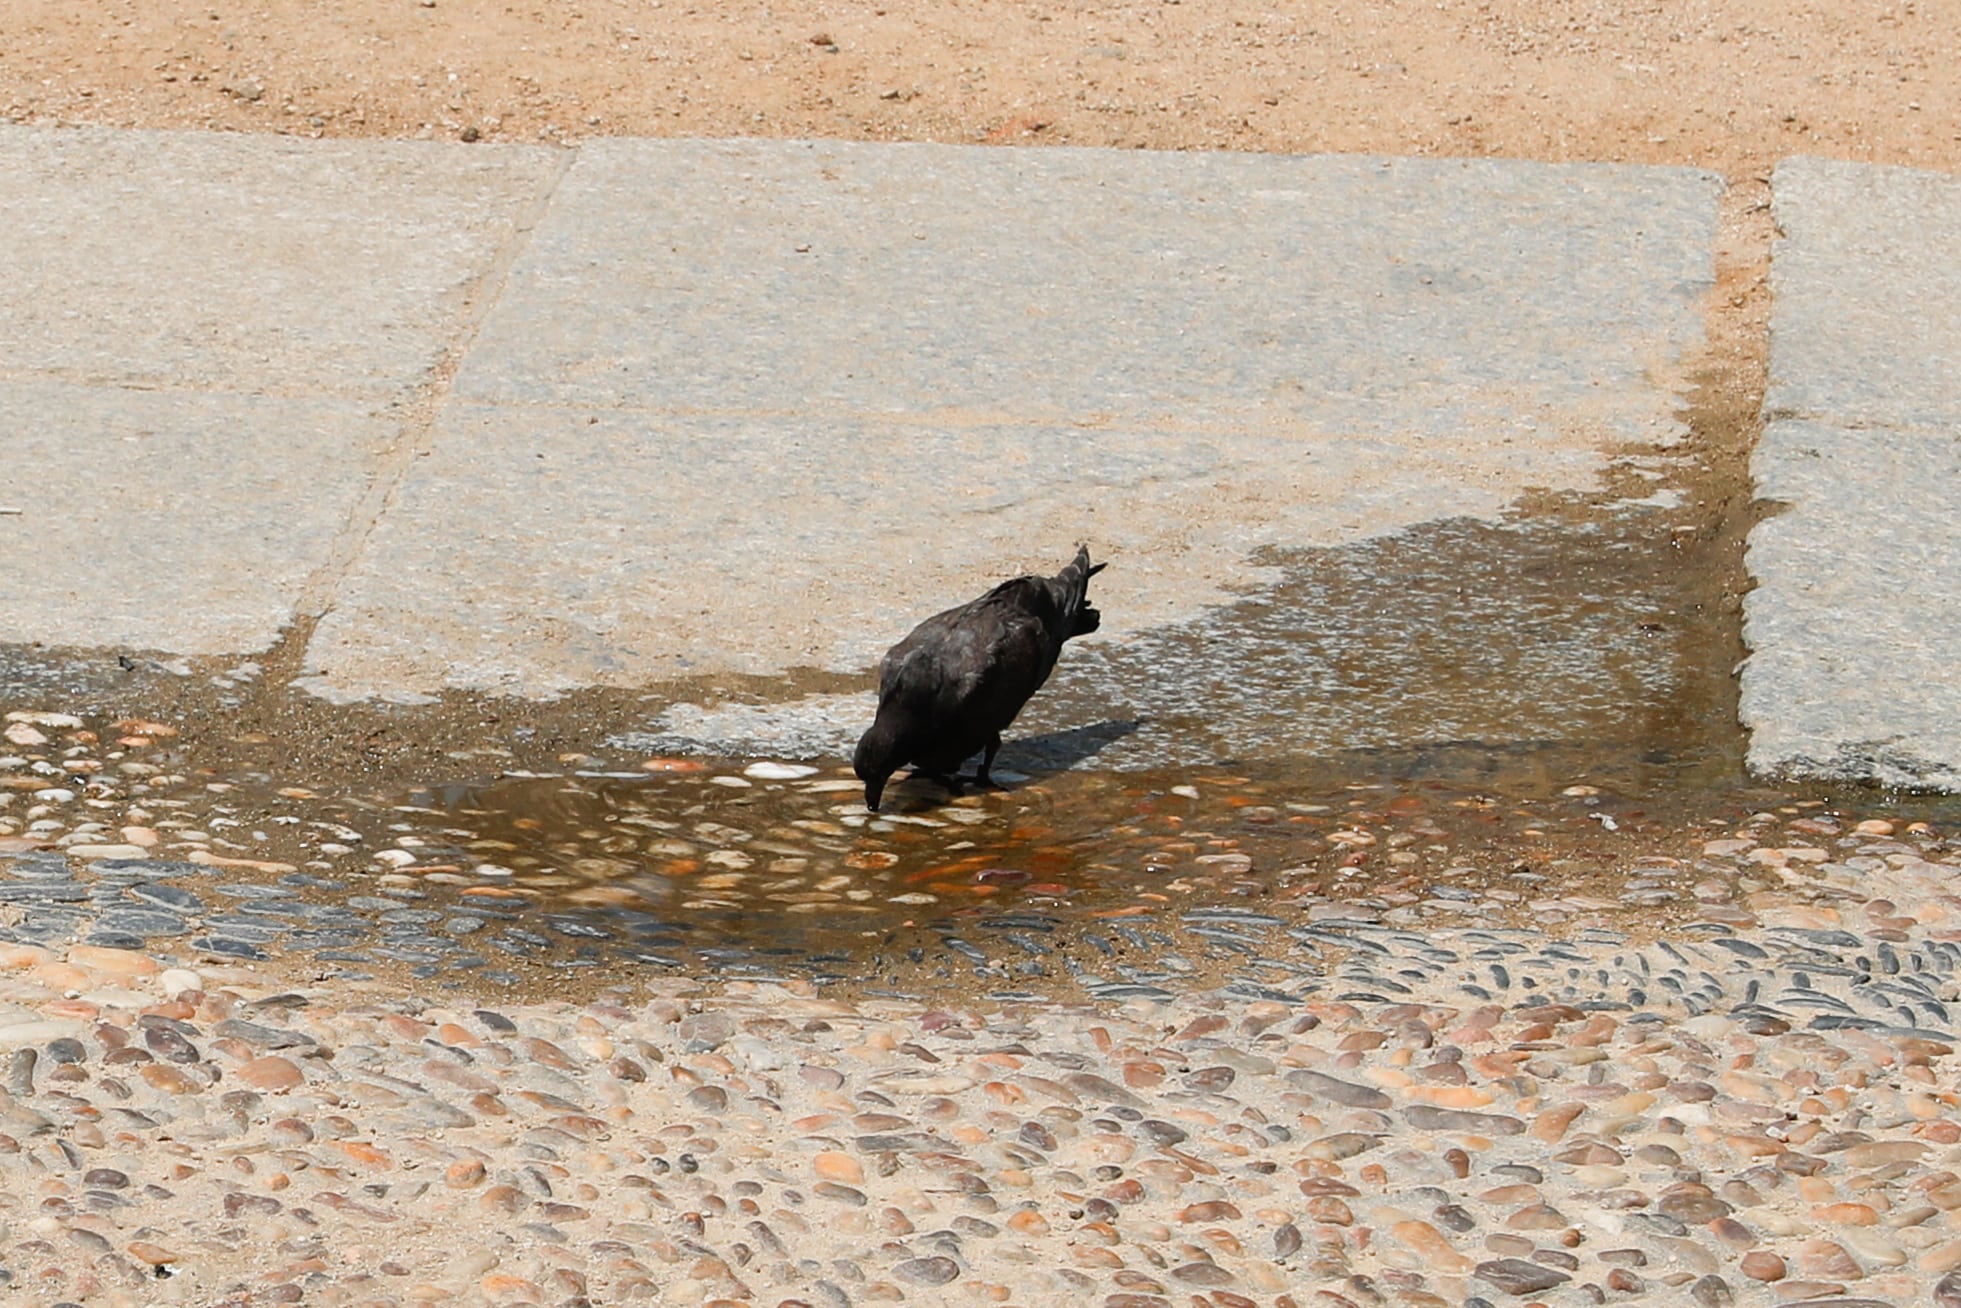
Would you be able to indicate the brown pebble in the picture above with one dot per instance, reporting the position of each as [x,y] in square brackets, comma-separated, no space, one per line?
[1029,1222]
[1733,1233]
[501,1285]
[1550,1125]
[1202,1273]
[270,1073]
[1762,1265]
[153,1254]
[1589,1154]
[169,1080]
[1536,1217]
[1326,1208]
[1424,1239]
[709,1098]
[1216,1210]
[1211,1080]
[290,1131]
[362,1152]
[833,1166]
[240,1202]
[463,1174]
[1691,1202]
[824,1078]
[1846,1214]
[1828,1259]
[502,1199]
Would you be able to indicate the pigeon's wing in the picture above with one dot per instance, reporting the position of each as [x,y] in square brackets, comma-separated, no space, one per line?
[996,656]
[963,675]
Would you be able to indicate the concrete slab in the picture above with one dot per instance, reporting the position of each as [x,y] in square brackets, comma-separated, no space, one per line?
[539,550]
[753,406]
[1342,292]
[1851,624]
[1858,599]
[160,521]
[201,340]
[1866,277]
[200,260]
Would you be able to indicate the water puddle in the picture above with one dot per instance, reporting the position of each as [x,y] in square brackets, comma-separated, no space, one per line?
[1528,723]
[1067,884]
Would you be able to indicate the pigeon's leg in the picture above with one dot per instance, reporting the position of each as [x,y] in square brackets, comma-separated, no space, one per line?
[950,780]
[981,778]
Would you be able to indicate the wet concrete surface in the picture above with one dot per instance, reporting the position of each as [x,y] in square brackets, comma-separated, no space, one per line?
[1522,722]
[1526,722]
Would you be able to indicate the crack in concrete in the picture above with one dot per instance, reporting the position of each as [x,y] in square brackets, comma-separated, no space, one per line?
[420,412]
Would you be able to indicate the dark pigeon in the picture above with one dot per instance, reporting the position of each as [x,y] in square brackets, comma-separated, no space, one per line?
[947,691]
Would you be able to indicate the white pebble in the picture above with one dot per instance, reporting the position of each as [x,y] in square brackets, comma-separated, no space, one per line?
[733,783]
[769,771]
[176,980]
[59,721]
[1189,792]
[105,851]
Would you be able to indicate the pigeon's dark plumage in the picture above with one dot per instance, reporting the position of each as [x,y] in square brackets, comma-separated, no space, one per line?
[947,691]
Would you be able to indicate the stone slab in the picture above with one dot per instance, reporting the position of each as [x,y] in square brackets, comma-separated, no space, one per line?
[1342,293]
[539,550]
[753,406]
[1866,276]
[1852,622]
[150,523]
[1852,626]
[201,260]
[206,344]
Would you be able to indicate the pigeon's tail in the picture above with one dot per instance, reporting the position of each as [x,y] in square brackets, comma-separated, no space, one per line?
[1071,590]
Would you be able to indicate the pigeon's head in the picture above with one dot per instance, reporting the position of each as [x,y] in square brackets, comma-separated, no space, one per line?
[876,759]
[1072,592]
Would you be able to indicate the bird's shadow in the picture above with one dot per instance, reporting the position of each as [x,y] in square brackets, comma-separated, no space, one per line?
[1023,757]
[1058,751]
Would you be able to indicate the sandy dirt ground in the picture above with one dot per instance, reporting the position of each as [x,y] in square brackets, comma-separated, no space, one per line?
[1725,84]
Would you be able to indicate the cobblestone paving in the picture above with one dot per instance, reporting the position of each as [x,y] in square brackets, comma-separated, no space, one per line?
[1411,1068]
[1752,1112]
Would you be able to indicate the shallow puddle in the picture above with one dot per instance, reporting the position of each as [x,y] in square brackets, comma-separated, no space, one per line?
[1066,883]
[1522,723]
